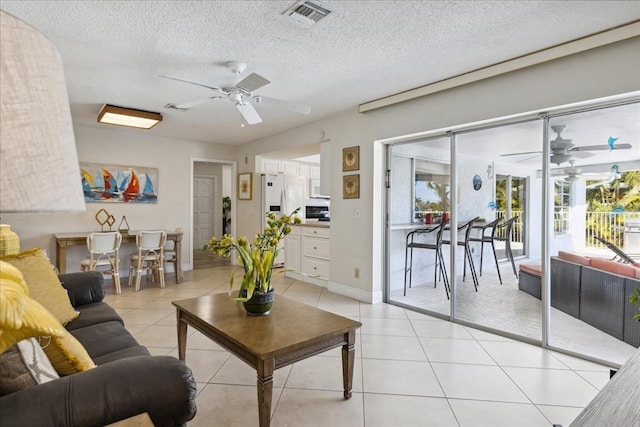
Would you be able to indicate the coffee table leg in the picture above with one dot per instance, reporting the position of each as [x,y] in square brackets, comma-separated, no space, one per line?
[348,356]
[182,336]
[265,390]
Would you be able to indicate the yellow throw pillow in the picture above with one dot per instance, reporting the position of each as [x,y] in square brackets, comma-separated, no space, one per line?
[44,285]
[66,354]
[20,316]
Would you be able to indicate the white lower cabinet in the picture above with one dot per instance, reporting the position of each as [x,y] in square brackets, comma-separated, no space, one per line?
[312,261]
[292,250]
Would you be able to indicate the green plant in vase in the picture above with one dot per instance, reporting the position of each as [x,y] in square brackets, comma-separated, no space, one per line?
[256,258]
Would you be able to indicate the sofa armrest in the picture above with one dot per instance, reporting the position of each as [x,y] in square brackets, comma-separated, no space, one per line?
[84,287]
[162,386]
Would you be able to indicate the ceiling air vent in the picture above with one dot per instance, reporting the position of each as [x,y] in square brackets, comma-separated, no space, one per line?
[307,12]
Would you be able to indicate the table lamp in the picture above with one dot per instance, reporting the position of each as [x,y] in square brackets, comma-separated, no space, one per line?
[39,169]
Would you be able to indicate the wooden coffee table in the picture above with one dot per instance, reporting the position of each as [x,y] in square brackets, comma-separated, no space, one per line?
[292,332]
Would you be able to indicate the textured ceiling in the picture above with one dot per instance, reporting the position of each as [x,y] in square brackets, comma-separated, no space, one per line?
[114,51]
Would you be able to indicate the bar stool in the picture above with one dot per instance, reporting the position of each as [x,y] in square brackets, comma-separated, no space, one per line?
[150,256]
[507,225]
[103,252]
[466,227]
[488,238]
[435,246]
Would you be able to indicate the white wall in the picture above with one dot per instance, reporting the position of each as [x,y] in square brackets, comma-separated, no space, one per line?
[120,146]
[354,240]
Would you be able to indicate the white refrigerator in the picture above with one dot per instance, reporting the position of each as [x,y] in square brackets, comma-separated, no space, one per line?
[282,194]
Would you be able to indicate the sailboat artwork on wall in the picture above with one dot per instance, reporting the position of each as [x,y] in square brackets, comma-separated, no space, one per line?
[119,184]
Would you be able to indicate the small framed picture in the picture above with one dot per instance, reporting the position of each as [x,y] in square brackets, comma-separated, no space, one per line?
[351,186]
[351,159]
[245,186]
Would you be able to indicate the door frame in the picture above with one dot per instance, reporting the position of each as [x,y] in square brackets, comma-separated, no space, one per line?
[234,172]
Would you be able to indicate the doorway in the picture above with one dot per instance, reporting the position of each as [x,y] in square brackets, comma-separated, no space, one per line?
[212,208]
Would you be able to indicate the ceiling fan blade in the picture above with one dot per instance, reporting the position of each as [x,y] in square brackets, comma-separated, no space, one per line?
[581,154]
[526,159]
[249,113]
[602,147]
[196,83]
[191,104]
[521,153]
[289,106]
[252,82]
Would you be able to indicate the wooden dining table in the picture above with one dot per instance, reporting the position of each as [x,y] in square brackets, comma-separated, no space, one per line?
[63,240]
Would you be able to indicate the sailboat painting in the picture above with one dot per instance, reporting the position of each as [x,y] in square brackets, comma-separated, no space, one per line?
[119,184]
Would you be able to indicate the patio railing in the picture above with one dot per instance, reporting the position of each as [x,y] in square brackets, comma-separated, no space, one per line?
[607,225]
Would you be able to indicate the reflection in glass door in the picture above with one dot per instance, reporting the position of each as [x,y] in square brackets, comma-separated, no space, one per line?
[594,182]
[418,201]
[497,241]
[511,196]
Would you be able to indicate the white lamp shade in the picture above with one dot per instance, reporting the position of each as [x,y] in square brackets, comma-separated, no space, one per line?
[39,170]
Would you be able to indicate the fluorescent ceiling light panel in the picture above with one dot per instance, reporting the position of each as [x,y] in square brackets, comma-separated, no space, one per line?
[110,114]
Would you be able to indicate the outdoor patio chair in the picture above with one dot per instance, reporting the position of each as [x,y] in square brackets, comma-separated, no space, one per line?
[507,225]
[466,227]
[619,256]
[490,238]
[436,246]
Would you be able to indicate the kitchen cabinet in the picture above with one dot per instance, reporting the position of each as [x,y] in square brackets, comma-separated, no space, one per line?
[275,166]
[292,250]
[311,262]
[314,172]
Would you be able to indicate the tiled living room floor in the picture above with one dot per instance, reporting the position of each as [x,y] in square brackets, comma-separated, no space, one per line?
[410,369]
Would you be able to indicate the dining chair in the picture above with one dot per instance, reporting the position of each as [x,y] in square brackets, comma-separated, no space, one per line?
[483,238]
[150,256]
[170,256]
[507,225]
[104,252]
[436,246]
[466,228]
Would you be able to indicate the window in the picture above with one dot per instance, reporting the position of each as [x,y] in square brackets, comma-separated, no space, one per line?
[561,205]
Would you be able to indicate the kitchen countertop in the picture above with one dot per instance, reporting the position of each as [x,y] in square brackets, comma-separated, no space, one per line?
[314,223]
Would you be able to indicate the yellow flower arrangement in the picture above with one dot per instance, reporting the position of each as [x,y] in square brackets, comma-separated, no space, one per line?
[256,258]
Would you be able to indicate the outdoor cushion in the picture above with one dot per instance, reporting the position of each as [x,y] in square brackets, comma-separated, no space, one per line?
[575,258]
[613,267]
[533,269]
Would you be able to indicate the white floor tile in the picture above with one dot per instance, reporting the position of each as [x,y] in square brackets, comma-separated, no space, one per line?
[318,408]
[521,354]
[475,413]
[552,386]
[455,351]
[383,410]
[322,373]
[400,377]
[394,348]
[477,382]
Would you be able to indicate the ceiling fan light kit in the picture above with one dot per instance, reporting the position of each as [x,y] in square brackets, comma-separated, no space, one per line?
[129,117]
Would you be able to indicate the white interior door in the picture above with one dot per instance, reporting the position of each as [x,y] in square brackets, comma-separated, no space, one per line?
[204,213]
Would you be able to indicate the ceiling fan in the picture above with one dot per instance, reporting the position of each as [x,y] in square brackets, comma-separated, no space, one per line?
[241,95]
[564,150]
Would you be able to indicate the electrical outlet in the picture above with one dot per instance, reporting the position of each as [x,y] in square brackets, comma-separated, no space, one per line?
[356,273]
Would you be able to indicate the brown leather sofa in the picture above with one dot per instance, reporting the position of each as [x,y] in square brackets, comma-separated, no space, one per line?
[594,290]
[127,380]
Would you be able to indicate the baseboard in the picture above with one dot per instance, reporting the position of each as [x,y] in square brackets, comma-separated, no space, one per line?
[355,293]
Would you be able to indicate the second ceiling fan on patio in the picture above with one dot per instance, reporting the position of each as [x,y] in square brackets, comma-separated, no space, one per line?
[564,150]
